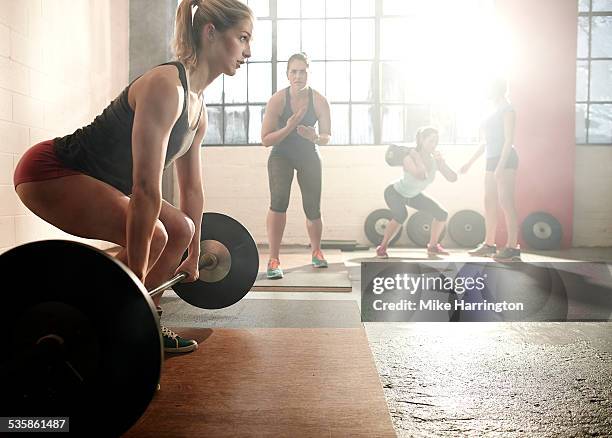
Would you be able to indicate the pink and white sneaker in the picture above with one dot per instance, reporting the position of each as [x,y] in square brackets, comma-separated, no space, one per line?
[381,253]
[436,250]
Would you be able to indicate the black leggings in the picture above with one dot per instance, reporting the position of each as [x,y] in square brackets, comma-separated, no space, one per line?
[397,203]
[309,175]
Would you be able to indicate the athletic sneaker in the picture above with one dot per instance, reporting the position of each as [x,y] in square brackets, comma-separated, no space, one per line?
[274,271]
[381,253]
[483,250]
[508,255]
[436,250]
[173,343]
[318,260]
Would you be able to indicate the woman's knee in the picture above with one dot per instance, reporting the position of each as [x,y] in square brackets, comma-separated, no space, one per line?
[181,230]
[159,239]
[440,214]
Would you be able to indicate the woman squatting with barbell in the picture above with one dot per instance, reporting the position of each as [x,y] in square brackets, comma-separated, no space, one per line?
[420,165]
[104,180]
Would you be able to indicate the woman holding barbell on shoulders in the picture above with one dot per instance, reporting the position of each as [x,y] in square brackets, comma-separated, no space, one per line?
[104,180]
[420,166]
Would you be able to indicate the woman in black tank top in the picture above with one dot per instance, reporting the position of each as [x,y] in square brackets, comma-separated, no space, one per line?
[104,180]
[289,126]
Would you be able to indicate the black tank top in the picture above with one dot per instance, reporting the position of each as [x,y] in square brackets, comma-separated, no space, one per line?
[294,144]
[103,149]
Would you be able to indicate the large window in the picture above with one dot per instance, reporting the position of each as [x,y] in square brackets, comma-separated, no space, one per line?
[594,72]
[386,67]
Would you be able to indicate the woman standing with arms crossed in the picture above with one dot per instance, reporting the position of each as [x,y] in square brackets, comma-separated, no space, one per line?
[288,125]
[500,176]
[104,180]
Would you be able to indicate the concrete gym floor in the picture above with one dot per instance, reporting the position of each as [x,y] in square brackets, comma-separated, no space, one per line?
[465,379]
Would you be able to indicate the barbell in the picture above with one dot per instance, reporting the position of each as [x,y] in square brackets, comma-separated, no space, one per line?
[81,336]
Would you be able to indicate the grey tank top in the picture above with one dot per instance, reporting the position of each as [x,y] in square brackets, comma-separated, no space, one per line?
[103,149]
[294,145]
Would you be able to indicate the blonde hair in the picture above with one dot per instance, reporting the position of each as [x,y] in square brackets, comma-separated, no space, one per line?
[223,14]
[422,133]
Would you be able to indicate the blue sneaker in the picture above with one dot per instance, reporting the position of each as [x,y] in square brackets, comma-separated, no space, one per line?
[318,260]
[173,343]
[274,271]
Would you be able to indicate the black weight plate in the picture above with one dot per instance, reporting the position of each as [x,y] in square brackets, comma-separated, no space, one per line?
[542,231]
[376,224]
[467,228]
[418,228]
[106,371]
[242,273]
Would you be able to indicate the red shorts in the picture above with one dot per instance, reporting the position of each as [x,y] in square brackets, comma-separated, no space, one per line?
[40,163]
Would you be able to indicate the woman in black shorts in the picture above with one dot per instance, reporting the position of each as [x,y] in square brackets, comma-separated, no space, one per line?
[500,176]
[288,125]
[420,166]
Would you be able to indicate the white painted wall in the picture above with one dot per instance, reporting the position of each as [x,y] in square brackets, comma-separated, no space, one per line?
[593,196]
[61,63]
[354,179]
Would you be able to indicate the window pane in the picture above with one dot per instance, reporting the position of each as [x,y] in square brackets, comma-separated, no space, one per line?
[444,120]
[362,81]
[288,40]
[416,116]
[235,125]
[313,39]
[392,82]
[340,124]
[602,5]
[316,78]
[600,34]
[396,7]
[601,80]
[338,8]
[362,126]
[466,128]
[256,113]
[288,8]
[261,8]
[394,33]
[338,81]
[362,8]
[362,39]
[235,87]
[261,45]
[260,82]
[600,123]
[582,77]
[215,124]
[338,44]
[581,119]
[583,37]
[313,8]
[281,76]
[214,92]
[392,123]
[583,5]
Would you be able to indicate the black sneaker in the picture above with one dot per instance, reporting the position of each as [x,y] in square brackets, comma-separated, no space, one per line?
[483,250]
[508,255]
[173,343]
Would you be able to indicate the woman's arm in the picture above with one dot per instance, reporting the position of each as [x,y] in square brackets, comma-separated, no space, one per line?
[477,154]
[414,165]
[157,106]
[443,168]
[191,195]
[324,116]
[509,122]
[270,132]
